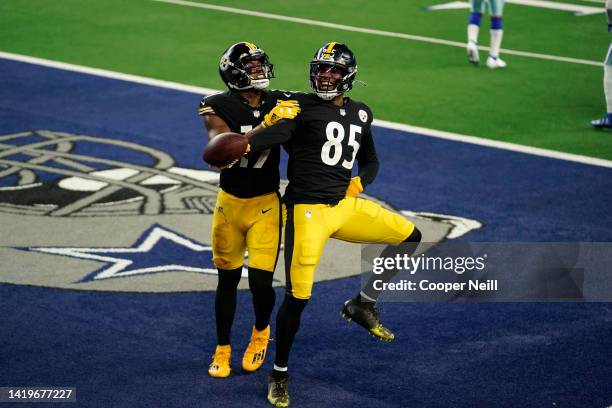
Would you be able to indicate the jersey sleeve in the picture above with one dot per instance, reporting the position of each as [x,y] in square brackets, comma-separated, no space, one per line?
[272,136]
[207,106]
[367,159]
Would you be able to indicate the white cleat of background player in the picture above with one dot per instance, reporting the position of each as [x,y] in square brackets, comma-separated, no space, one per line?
[495,63]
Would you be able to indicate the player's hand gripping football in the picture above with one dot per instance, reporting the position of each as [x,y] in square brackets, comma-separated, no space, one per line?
[355,187]
[229,166]
[282,110]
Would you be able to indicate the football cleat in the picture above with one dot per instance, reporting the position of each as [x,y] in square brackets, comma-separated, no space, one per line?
[255,352]
[605,122]
[278,393]
[495,62]
[366,315]
[472,53]
[220,366]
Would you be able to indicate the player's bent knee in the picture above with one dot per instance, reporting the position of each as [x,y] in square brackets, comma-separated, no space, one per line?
[301,291]
[399,223]
[227,262]
[300,288]
[415,236]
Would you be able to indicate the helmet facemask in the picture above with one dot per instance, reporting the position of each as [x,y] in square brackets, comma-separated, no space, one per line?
[256,71]
[244,66]
[332,70]
[330,79]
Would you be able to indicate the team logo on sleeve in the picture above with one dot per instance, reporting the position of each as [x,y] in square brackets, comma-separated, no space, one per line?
[363,115]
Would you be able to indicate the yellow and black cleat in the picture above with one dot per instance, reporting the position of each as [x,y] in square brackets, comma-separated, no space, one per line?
[366,315]
[220,366]
[278,393]
[255,353]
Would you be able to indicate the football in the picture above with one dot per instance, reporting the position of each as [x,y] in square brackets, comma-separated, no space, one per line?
[224,149]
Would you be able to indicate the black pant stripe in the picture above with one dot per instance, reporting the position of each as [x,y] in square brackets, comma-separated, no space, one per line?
[280,227]
[289,237]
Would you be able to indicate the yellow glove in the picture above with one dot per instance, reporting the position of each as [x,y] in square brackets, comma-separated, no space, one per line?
[354,187]
[282,110]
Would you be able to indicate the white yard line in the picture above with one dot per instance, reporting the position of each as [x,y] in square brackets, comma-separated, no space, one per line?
[381,123]
[573,8]
[602,2]
[381,33]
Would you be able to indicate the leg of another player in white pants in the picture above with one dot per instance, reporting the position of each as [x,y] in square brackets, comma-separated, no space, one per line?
[606,120]
[476,9]
[496,7]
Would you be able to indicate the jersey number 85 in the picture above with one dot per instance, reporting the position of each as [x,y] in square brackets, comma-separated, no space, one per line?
[331,153]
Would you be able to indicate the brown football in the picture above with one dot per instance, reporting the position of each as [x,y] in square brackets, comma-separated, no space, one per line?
[225,148]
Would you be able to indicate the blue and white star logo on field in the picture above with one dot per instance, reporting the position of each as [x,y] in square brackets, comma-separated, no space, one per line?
[157,250]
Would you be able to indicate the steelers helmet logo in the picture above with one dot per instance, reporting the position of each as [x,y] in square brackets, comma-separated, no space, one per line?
[224,63]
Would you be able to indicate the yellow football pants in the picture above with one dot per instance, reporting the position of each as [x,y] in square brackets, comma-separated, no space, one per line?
[353,219]
[240,223]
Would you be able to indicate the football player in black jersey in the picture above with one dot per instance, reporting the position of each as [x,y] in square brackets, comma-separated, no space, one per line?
[323,142]
[248,210]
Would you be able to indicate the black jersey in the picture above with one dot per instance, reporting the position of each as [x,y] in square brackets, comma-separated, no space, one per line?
[256,173]
[323,143]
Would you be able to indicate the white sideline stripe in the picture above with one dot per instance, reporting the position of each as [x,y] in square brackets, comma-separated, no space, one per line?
[106,73]
[372,31]
[381,123]
[535,151]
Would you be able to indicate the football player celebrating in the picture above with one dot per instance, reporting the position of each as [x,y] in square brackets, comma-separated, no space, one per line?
[323,142]
[606,121]
[496,9]
[248,210]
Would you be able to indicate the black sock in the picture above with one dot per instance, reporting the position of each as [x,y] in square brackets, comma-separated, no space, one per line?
[260,283]
[225,303]
[276,374]
[409,246]
[287,325]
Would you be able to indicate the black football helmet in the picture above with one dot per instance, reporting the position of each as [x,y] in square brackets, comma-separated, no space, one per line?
[235,70]
[331,57]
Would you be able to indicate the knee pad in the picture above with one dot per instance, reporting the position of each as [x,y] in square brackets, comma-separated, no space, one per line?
[496,23]
[474,18]
[308,253]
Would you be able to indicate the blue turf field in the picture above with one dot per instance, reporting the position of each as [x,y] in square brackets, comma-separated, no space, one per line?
[137,350]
